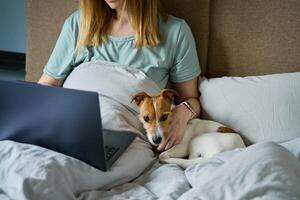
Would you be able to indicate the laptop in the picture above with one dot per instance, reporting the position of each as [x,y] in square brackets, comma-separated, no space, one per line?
[64,120]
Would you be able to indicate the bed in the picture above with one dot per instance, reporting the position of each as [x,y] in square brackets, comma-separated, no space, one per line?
[249,55]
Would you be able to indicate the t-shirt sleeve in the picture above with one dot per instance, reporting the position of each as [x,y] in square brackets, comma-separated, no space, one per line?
[186,65]
[61,61]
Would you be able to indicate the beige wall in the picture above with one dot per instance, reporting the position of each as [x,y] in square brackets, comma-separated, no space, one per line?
[233,37]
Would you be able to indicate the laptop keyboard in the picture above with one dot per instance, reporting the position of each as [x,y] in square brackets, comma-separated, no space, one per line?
[110,151]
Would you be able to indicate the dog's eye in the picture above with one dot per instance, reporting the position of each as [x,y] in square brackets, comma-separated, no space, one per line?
[146,119]
[164,117]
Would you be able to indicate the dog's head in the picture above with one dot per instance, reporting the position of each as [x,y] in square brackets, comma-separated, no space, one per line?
[155,113]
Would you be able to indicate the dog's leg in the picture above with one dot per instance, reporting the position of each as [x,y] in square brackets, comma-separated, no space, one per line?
[195,127]
[180,150]
[177,151]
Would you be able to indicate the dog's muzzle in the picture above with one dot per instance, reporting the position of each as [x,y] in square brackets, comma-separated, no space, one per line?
[156,139]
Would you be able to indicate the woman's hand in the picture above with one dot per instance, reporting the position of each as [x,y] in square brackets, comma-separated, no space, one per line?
[177,125]
[188,91]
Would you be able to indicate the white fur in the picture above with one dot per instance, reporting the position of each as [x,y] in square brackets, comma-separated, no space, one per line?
[159,132]
[150,140]
[200,142]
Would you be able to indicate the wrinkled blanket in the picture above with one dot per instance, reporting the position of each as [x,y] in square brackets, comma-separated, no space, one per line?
[31,172]
[261,171]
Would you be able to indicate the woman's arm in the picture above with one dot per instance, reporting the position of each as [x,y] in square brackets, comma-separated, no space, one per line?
[48,80]
[188,91]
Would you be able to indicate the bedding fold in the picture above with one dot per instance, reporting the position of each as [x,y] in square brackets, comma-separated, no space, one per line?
[261,171]
[32,172]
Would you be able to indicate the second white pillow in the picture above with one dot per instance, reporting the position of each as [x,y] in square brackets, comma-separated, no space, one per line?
[261,108]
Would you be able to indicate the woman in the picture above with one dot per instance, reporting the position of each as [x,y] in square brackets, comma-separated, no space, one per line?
[136,33]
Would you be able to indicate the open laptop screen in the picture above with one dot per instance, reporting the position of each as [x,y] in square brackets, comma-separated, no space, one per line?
[64,120]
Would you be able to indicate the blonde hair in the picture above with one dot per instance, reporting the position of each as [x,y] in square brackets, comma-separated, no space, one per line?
[96,15]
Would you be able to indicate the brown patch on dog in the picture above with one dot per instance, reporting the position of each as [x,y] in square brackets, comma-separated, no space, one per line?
[169,94]
[138,98]
[223,129]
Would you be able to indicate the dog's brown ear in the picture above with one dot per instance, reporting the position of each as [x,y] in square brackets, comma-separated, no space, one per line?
[169,93]
[138,98]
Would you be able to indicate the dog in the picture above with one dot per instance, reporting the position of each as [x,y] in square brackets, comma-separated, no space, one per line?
[202,138]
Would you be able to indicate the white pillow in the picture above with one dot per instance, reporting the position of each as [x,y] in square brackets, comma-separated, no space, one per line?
[261,108]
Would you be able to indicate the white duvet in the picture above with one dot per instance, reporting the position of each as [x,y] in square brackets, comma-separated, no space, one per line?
[261,171]
[30,172]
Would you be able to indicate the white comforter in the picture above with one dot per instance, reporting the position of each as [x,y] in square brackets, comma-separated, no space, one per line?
[262,171]
[30,172]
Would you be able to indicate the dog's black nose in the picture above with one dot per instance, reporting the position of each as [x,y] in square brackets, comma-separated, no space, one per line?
[156,139]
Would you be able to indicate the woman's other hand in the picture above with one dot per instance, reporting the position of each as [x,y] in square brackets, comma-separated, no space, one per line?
[178,122]
[188,91]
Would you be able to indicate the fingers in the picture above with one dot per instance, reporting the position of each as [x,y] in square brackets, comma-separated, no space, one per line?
[170,143]
[163,145]
[171,140]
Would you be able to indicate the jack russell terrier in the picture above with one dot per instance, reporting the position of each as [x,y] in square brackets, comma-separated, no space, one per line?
[202,138]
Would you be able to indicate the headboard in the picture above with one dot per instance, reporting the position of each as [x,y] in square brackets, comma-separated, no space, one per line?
[233,37]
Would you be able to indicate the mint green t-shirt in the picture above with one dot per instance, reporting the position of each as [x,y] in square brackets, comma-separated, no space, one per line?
[174,59]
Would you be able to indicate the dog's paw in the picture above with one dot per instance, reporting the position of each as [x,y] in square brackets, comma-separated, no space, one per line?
[163,156]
